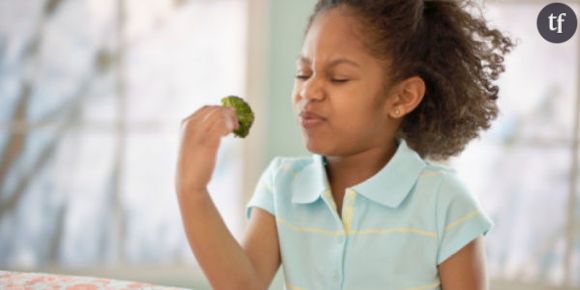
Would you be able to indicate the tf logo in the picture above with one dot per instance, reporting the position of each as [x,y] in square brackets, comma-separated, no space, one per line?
[557,22]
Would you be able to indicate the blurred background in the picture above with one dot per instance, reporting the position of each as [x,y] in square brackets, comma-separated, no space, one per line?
[91,97]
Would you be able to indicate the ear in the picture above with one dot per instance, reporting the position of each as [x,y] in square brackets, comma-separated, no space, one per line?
[406,97]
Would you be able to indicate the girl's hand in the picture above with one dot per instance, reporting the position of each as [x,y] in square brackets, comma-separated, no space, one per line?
[201,133]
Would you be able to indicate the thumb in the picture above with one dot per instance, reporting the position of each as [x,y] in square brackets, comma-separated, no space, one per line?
[232,121]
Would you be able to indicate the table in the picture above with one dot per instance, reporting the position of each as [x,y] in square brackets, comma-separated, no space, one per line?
[10,280]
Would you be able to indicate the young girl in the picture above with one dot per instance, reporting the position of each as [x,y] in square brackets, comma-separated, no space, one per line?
[381,86]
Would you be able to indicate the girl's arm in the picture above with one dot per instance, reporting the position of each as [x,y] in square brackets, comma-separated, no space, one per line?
[465,269]
[226,264]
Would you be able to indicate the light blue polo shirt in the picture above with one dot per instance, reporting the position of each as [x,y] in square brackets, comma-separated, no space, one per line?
[396,226]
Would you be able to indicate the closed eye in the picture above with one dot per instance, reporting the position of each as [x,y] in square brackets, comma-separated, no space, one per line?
[340,80]
[336,81]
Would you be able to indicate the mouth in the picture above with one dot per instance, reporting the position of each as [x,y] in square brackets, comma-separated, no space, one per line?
[310,120]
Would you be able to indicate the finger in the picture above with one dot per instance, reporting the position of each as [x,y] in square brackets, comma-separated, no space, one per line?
[232,115]
[227,115]
[225,124]
[211,113]
[211,118]
[226,121]
[231,119]
[199,112]
[232,124]
[207,118]
[199,122]
[215,131]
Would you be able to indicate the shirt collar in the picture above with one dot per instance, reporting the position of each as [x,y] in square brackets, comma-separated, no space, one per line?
[389,187]
[311,182]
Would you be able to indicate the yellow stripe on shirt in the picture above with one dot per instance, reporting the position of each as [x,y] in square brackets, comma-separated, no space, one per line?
[462,219]
[425,287]
[349,210]
[395,230]
[292,287]
[356,232]
[309,230]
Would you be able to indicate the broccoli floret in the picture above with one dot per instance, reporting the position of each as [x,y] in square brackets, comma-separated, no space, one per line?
[243,112]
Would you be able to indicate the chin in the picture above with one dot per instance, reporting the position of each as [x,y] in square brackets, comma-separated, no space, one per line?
[317,146]
[313,146]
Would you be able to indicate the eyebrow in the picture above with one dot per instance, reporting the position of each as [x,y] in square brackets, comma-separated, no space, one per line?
[335,62]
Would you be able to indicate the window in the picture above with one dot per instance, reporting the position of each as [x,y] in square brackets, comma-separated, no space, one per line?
[525,169]
[91,97]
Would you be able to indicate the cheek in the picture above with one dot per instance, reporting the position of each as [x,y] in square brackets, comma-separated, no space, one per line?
[358,119]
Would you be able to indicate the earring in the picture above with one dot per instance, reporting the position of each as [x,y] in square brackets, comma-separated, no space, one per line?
[397,112]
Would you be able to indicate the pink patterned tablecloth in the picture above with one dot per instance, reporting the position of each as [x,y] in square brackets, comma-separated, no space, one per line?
[44,281]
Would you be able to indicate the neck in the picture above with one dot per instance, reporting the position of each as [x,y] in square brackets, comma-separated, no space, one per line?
[349,170]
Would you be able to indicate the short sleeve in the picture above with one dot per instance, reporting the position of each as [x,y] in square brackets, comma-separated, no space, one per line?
[460,218]
[263,196]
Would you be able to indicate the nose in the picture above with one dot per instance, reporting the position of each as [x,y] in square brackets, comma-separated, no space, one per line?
[312,89]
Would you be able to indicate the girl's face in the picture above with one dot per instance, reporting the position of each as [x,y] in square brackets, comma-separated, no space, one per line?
[338,80]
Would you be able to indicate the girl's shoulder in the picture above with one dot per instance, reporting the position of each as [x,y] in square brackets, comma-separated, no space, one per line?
[437,169]
[449,186]
[291,164]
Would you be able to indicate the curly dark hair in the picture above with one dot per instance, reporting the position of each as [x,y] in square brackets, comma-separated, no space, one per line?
[455,53]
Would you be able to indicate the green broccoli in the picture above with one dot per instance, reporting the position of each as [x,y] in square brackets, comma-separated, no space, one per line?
[243,112]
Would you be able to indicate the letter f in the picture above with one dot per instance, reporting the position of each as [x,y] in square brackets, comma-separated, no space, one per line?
[560,20]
